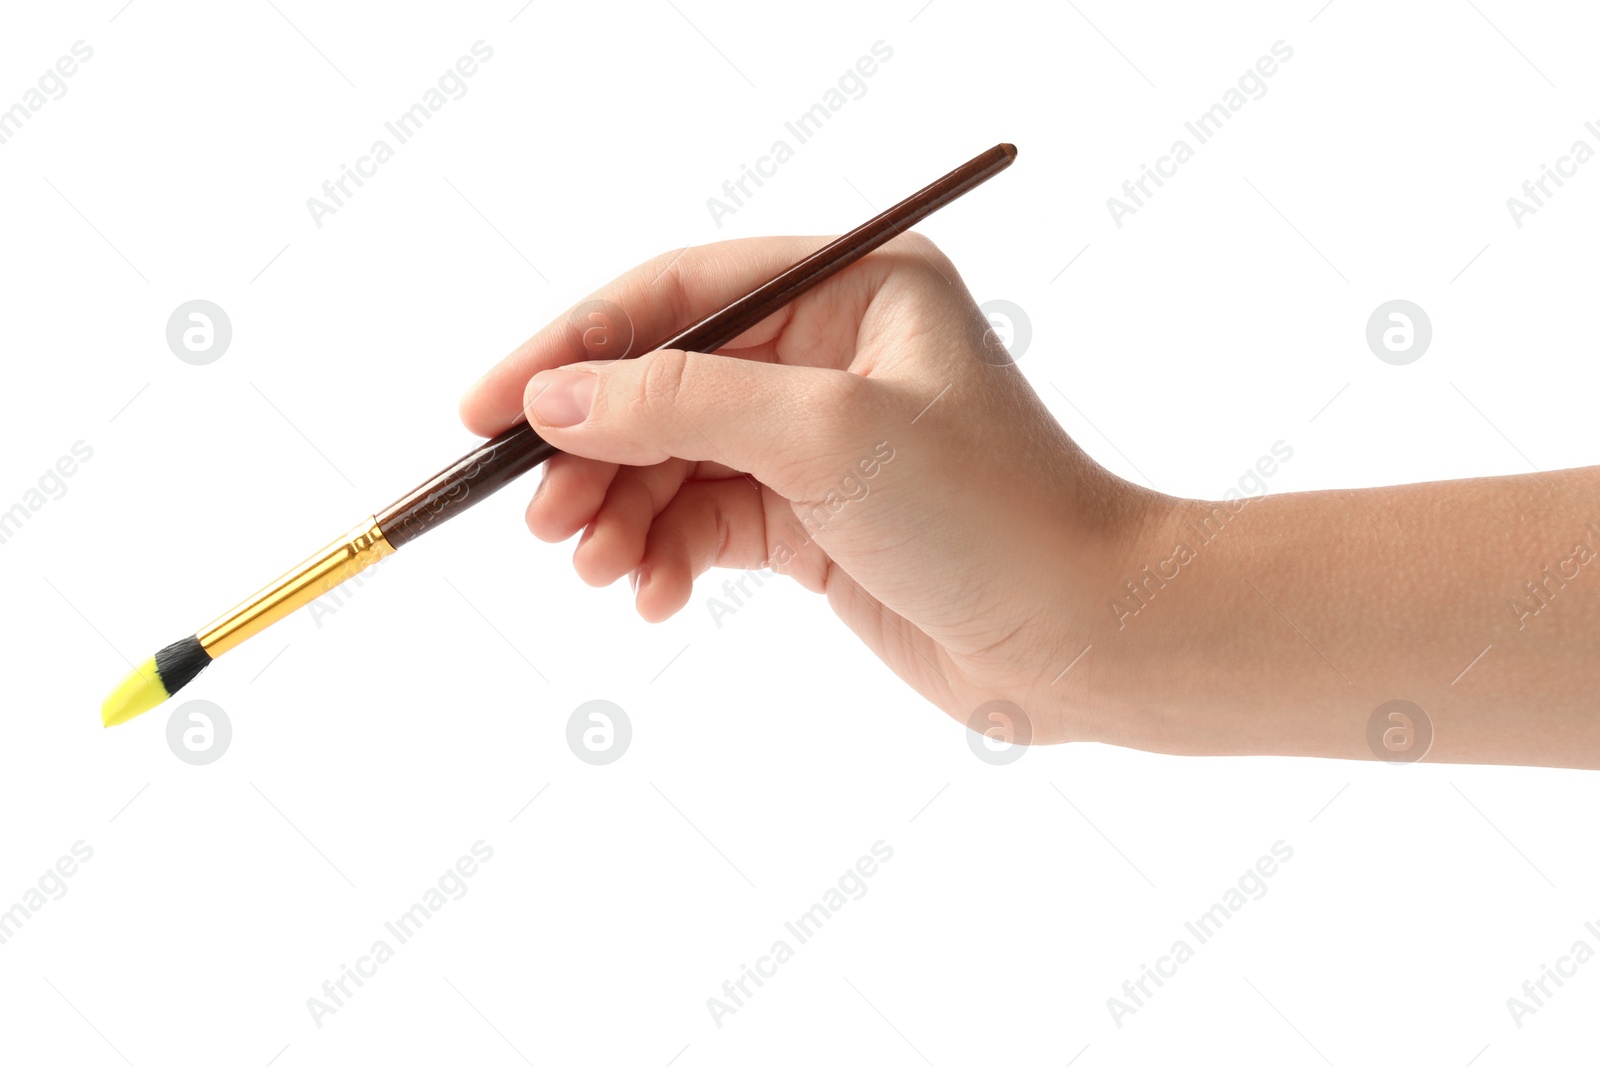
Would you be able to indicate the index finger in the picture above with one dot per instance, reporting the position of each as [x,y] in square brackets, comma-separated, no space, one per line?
[634,314]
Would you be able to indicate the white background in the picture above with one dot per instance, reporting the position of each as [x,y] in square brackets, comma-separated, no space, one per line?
[374,745]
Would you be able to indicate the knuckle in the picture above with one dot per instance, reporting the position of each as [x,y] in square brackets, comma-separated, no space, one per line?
[837,402]
[661,380]
[922,255]
[662,281]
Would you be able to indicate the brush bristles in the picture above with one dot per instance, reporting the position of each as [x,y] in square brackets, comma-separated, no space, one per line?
[180,662]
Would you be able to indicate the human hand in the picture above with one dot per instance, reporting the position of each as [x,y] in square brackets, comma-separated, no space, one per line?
[871,440]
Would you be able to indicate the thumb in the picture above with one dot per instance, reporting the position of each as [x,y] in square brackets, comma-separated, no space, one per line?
[787,426]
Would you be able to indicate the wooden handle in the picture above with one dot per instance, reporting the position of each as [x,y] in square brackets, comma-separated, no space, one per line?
[511,454]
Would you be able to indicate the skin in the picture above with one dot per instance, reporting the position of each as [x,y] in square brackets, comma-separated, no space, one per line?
[872,442]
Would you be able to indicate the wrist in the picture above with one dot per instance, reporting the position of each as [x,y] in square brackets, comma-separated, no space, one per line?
[1180,621]
[1121,535]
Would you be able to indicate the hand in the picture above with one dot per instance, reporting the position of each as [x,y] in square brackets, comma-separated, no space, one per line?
[871,440]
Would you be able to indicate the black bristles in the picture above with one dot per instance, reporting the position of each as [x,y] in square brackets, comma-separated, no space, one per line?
[180,662]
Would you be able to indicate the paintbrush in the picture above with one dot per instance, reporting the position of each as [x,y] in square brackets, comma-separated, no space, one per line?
[505,457]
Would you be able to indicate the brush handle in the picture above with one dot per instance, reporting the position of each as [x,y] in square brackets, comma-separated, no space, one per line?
[489,467]
[511,454]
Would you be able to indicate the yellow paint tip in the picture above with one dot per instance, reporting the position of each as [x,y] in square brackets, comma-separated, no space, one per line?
[140,691]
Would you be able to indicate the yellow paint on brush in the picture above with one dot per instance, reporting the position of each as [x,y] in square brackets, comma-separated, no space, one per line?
[139,692]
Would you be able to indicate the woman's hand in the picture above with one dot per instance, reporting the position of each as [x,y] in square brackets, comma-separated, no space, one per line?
[872,440]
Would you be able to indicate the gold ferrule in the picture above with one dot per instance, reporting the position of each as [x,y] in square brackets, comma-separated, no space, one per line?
[346,557]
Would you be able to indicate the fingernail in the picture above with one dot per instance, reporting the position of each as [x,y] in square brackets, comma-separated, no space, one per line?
[560,397]
[639,577]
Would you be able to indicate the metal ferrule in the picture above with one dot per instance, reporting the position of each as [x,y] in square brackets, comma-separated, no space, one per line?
[346,557]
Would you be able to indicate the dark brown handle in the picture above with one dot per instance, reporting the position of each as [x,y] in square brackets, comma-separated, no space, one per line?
[489,467]
[507,456]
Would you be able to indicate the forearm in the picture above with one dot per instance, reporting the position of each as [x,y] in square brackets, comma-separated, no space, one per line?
[1280,626]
